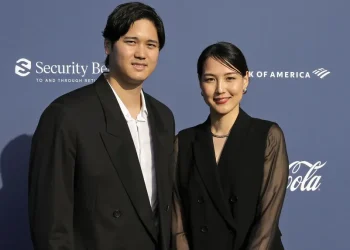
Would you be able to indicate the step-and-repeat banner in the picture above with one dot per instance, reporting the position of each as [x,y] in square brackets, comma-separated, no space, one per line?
[298,55]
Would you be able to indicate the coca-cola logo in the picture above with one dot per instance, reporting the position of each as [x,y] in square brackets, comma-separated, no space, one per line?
[304,176]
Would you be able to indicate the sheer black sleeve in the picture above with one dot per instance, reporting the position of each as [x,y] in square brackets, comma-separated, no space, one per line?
[273,191]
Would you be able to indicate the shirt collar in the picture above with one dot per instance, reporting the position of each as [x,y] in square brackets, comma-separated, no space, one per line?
[144,106]
[142,116]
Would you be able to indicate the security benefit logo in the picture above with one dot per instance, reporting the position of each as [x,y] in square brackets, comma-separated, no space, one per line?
[23,67]
[73,72]
[305,176]
[319,73]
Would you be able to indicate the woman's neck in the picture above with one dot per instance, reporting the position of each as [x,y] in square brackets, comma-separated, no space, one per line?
[222,124]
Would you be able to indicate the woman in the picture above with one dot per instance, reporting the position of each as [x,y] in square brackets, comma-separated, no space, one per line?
[232,170]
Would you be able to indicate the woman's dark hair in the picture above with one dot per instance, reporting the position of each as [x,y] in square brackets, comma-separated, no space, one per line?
[124,15]
[226,53]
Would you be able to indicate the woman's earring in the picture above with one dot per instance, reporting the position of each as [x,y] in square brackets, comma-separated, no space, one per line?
[201,93]
[245,91]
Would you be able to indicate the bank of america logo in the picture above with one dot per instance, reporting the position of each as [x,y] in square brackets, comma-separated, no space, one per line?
[321,72]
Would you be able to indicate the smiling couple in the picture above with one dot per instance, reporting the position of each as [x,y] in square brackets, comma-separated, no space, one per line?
[107,171]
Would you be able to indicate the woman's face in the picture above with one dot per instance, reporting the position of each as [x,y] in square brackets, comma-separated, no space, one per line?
[222,87]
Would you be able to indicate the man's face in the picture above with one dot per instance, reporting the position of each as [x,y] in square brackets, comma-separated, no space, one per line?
[134,56]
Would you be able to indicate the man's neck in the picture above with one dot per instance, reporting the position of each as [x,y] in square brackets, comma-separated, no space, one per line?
[129,94]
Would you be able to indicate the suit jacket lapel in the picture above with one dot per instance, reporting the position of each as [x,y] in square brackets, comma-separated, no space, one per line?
[120,147]
[230,163]
[161,150]
[161,153]
[204,155]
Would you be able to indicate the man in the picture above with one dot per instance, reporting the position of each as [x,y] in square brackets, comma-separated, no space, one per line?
[100,175]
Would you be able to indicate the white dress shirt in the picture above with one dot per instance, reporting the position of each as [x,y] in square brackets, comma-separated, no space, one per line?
[141,135]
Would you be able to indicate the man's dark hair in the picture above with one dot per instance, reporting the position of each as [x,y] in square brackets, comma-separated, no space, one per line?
[124,15]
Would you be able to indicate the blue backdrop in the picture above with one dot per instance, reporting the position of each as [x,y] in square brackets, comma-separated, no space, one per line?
[297,51]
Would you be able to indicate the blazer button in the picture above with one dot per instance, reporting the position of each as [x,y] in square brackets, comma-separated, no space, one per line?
[117,214]
[167,208]
[200,200]
[233,199]
[204,229]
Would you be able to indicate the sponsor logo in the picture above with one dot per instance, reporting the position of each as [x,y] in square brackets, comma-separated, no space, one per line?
[23,67]
[69,73]
[305,176]
[320,73]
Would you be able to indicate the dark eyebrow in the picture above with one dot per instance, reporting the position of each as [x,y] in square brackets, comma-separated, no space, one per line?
[208,74]
[135,38]
[230,73]
[153,41]
[131,37]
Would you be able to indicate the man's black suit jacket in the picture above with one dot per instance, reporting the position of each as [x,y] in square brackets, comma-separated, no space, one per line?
[86,188]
